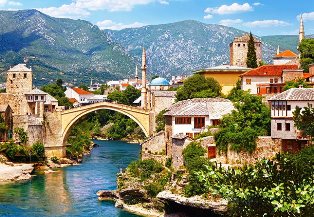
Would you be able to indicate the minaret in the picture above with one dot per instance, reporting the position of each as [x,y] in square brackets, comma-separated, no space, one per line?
[278,50]
[301,32]
[144,90]
[136,74]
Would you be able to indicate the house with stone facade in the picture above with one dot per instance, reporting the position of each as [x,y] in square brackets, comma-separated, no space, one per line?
[282,125]
[269,79]
[193,116]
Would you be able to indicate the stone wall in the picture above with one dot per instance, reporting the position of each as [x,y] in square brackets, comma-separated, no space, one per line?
[290,75]
[178,145]
[266,147]
[35,134]
[155,148]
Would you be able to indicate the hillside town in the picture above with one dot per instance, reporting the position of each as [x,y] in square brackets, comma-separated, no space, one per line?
[205,138]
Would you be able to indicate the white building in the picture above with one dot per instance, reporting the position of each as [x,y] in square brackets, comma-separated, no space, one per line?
[192,117]
[286,57]
[83,97]
[282,107]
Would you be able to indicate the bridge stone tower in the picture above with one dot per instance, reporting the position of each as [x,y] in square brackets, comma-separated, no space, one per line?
[19,80]
[144,88]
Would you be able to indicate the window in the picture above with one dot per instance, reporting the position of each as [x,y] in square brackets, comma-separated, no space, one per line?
[36,97]
[279,126]
[248,81]
[243,45]
[216,122]
[238,45]
[190,135]
[271,80]
[258,90]
[182,120]
[199,122]
[275,89]
[268,90]
[276,80]
[287,126]
[14,75]
[288,107]
[25,75]
[42,97]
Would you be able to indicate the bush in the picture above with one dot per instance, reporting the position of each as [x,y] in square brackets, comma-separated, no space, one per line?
[55,160]
[168,162]
[144,168]
[22,135]
[193,156]
[38,151]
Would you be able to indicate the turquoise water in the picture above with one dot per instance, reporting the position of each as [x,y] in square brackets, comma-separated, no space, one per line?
[71,191]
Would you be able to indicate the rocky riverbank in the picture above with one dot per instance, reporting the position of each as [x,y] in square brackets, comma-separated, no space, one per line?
[15,172]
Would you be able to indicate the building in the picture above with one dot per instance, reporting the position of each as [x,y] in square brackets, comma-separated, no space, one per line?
[269,79]
[286,57]
[192,117]
[159,84]
[282,125]
[83,97]
[239,50]
[226,75]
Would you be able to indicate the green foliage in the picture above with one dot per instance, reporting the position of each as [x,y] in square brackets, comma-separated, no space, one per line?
[296,84]
[303,119]
[83,86]
[306,49]
[197,86]
[280,187]
[144,169]
[127,97]
[57,91]
[161,121]
[22,135]
[38,151]
[250,119]
[193,156]
[102,89]
[168,162]
[55,160]
[251,61]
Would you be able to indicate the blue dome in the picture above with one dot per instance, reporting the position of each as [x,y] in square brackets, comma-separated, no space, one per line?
[159,82]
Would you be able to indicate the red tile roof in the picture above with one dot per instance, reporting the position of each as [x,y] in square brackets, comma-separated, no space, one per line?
[81,91]
[72,100]
[124,84]
[287,53]
[269,70]
[307,75]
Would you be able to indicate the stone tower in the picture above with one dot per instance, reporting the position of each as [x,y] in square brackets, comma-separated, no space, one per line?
[301,31]
[144,89]
[19,80]
[239,50]
[136,74]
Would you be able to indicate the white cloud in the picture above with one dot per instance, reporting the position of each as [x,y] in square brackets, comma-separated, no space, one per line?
[229,22]
[208,16]
[257,4]
[14,3]
[109,24]
[3,2]
[230,9]
[266,23]
[164,2]
[307,16]
[65,11]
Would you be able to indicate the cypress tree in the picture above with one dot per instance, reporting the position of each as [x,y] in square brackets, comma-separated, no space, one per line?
[251,61]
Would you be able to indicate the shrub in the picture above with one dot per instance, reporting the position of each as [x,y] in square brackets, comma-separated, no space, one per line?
[38,151]
[22,135]
[193,156]
[144,168]
[168,162]
[55,160]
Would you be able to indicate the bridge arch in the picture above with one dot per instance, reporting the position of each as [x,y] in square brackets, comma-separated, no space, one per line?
[138,115]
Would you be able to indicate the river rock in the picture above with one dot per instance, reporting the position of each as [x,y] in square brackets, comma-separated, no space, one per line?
[107,195]
[15,172]
[219,206]
[65,161]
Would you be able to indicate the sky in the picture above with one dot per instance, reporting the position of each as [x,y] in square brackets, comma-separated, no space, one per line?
[262,17]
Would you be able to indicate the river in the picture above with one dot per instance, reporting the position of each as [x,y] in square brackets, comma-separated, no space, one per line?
[71,191]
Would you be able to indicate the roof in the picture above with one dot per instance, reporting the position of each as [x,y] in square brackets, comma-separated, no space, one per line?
[159,82]
[307,75]
[20,68]
[215,108]
[286,54]
[227,68]
[81,91]
[36,91]
[124,84]
[138,100]
[72,100]
[50,99]
[164,93]
[295,94]
[269,70]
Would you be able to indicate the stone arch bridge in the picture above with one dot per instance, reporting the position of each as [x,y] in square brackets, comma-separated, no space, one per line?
[59,124]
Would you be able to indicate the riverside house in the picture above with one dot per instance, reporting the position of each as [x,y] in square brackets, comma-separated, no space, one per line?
[282,125]
[193,116]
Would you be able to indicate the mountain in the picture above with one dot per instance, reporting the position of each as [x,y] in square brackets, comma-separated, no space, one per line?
[285,42]
[74,50]
[181,47]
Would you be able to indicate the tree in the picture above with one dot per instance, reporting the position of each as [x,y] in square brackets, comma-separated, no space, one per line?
[303,119]
[251,60]
[83,86]
[296,84]
[306,49]
[161,121]
[126,97]
[56,90]
[198,86]
[21,134]
[250,119]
